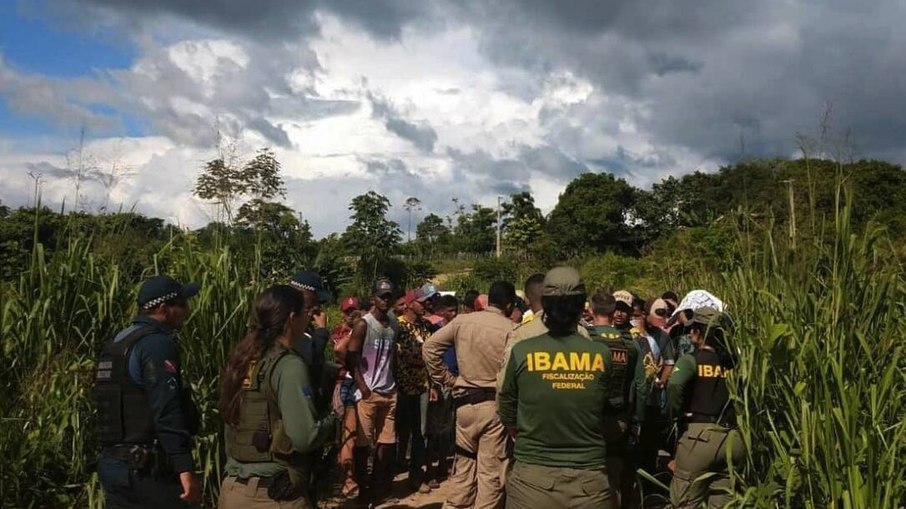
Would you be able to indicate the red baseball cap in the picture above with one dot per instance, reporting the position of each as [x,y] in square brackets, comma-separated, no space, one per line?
[349,303]
[411,296]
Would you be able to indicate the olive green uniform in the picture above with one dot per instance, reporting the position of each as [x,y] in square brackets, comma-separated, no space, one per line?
[711,446]
[554,392]
[627,390]
[278,400]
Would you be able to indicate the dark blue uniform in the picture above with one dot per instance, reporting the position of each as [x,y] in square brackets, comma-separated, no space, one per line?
[154,365]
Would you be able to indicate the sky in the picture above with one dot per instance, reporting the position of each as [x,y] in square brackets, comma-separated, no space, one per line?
[438,100]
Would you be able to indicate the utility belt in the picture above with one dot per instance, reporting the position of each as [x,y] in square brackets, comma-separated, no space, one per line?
[145,458]
[474,396]
[280,488]
[711,419]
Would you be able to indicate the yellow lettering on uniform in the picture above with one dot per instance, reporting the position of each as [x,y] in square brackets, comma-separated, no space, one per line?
[619,357]
[528,360]
[717,372]
[560,362]
[542,361]
[709,370]
[579,362]
[598,364]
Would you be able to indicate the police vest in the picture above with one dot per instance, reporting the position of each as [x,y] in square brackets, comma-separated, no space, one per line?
[620,373]
[260,435]
[710,399]
[123,411]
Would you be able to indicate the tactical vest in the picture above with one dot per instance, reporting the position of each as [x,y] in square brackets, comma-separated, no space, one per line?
[123,411]
[261,435]
[620,372]
[710,399]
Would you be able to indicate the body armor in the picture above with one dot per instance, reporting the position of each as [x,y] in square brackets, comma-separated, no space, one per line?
[123,411]
[710,399]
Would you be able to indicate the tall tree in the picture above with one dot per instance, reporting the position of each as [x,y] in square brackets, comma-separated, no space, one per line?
[372,236]
[522,222]
[475,231]
[431,235]
[412,203]
[590,215]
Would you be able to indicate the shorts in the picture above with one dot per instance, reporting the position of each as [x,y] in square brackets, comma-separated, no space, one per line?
[376,420]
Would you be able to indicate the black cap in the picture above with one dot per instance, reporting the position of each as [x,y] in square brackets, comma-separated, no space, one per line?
[382,287]
[311,281]
[160,289]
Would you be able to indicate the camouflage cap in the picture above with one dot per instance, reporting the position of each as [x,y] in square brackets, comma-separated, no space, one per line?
[706,316]
[563,281]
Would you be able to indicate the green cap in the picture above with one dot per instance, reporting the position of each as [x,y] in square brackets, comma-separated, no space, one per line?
[563,281]
[706,316]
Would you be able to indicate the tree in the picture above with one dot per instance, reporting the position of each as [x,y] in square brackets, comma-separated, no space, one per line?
[432,236]
[476,231]
[522,222]
[225,184]
[590,215]
[411,203]
[283,239]
[371,236]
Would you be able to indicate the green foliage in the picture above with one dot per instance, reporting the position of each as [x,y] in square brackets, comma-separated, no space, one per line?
[590,215]
[432,236]
[493,269]
[371,237]
[476,231]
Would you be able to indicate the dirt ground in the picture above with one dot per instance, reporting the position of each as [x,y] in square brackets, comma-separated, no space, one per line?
[407,499]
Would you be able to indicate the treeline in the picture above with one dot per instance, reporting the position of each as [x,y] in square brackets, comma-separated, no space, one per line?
[596,213]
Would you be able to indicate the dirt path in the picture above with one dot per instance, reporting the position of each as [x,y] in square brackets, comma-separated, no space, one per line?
[407,499]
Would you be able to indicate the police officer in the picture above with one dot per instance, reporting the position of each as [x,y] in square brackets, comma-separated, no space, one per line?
[626,396]
[697,390]
[145,417]
[313,343]
[553,401]
[480,340]
[267,403]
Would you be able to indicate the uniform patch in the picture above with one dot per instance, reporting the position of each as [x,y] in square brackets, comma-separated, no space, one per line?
[171,366]
[172,383]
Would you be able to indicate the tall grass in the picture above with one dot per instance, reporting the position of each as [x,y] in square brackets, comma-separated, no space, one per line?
[823,370]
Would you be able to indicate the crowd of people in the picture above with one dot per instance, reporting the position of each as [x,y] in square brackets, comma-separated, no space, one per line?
[550,396]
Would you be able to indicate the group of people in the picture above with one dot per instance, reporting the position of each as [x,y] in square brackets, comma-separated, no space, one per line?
[548,397]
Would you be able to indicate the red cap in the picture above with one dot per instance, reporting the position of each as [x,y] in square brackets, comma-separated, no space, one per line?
[410,296]
[481,302]
[349,303]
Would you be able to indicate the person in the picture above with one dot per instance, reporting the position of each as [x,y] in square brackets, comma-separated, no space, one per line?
[533,288]
[369,358]
[658,311]
[441,411]
[412,388]
[468,301]
[480,340]
[447,307]
[553,402]
[698,391]
[267,403]
[429,298]
[344,396]
[313,343]
[627,393]
[652,438]
[682,316]
[145,416]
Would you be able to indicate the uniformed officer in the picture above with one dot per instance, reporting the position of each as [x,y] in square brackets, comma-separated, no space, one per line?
[626,397]
[267,403]
[553,401]
[697,390]
[480,340]
[145,417]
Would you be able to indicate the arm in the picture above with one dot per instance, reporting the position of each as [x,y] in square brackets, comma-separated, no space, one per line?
[640,385]
[433,353]
[354,356]
[668,353]
[341,348]
[677,386]
[292,386]
[508,396]
[159,373]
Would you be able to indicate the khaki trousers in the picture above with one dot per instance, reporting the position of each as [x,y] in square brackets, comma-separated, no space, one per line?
[535,486]
[480,454]
[705,449]
[236,495]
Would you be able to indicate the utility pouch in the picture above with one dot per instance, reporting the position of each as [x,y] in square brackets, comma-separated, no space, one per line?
[283,488]
[139,457]
[261,440]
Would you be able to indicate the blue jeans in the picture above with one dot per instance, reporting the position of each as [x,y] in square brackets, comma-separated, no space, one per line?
[126,488]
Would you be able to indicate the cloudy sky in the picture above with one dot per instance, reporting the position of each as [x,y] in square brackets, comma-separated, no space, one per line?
[438,100]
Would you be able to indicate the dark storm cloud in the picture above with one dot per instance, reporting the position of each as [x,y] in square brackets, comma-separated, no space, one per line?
[272,19]
[422,136]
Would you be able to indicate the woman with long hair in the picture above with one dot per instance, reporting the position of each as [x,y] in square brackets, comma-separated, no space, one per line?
[266,401]
[698,391]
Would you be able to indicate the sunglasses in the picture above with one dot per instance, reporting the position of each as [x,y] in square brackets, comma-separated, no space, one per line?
[662,312]
[385,297]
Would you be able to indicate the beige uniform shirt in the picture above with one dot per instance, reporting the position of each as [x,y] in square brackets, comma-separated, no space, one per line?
[532,328]
[480,339]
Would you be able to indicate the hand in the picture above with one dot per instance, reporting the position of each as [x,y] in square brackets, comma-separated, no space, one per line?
[433,394]
[320,318]
[191,488]
[366,393]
